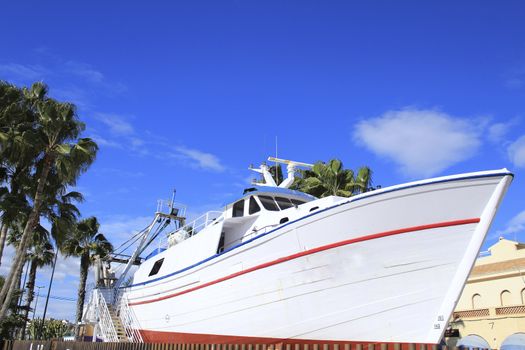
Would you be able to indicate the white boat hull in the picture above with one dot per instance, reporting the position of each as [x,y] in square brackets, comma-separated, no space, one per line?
[386,266]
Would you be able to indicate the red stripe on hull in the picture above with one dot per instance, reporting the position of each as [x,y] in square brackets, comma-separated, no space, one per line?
[313,251]
[194,338]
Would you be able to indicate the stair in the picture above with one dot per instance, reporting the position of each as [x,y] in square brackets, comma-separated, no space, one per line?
[121,332]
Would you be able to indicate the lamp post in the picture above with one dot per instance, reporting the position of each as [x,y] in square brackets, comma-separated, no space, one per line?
[41,328]
[23,286]
[36,301]
[34,313]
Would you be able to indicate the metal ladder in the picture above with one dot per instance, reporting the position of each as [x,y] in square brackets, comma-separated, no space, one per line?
[112,317]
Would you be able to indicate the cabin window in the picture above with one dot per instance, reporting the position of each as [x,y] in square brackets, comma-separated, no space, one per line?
[156,267]
[238,208]
[254,207]
[297,201]
[284,203]
[268,203]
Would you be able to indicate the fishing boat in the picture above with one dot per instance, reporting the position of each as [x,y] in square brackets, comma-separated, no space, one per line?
[279,265]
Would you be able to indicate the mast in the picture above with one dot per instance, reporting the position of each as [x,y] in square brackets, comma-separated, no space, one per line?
[160,221]
[291,168]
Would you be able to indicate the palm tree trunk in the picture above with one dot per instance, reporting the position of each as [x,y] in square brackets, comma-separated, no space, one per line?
[30,295]
[3,236]
[6,294]
[19,280]
[3,231]
[84,266]
[20,289]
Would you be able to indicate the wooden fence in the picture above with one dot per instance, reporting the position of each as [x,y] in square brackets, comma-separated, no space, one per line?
[72,345]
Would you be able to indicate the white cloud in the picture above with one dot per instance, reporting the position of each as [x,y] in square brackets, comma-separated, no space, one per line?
[514,83]
[24,72]
[199,159]
[497,131]
[84,70]
[102,141]
[423,142]
[122,226]
[515,78]
[122,134]
[73,94]
[116,123]
[515,225]
[119,228]
[516,152]
[117,172]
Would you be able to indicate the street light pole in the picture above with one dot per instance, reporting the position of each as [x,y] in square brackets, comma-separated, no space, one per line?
[48,293]
[23,286]
[34,312]
[36,301]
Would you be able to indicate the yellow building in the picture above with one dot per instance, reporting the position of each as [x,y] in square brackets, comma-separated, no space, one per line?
[492,305]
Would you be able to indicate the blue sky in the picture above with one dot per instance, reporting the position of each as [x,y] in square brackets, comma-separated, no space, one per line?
[188,94]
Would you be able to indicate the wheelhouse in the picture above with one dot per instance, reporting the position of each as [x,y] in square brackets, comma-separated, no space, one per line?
[260,209]
[265,199]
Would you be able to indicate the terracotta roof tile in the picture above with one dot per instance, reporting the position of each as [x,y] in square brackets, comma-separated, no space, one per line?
[503,266]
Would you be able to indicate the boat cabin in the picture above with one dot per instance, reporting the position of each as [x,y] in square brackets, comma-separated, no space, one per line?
[262,198]
[261,208]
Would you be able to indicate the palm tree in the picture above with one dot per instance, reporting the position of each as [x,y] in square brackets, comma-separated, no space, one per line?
[87,243]
[41,254]
[14,321]
[40,236]
[59,210]
[363,180]
[332,179]
[16,154]
[60,150]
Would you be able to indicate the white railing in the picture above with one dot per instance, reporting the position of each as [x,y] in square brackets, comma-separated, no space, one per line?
[202,222]
[129,321]
[90,311]
[166,206]
[192,228]
[104,321]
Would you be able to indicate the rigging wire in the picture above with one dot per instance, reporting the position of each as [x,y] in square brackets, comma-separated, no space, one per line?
[128,246]
[132,237]
[161,228]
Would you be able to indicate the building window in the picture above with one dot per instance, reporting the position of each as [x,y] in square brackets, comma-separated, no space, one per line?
[505,297]
[476,301]
[238,208]
[523,296]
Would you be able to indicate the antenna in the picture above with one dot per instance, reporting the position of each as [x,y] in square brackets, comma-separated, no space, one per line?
[276,173]
[173,198]
[286,161]
[291,167]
